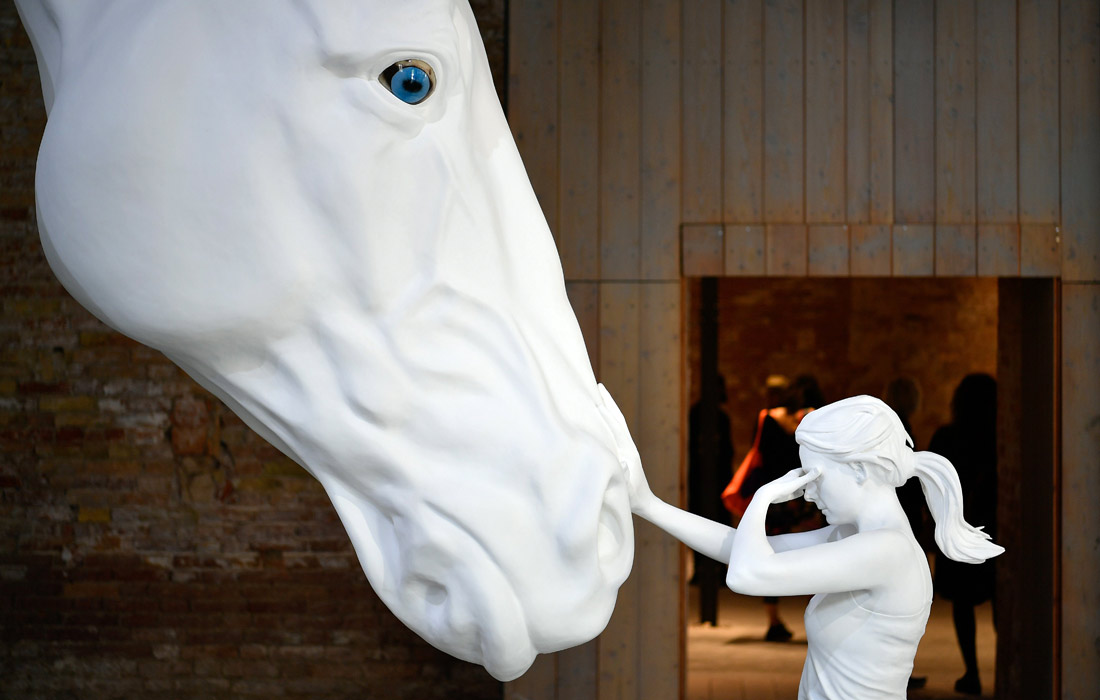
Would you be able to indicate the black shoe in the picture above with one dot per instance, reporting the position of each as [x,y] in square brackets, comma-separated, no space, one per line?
[778,633]
[969,684]
[916,682]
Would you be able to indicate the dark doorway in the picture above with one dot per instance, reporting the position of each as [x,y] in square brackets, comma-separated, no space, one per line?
[855,335]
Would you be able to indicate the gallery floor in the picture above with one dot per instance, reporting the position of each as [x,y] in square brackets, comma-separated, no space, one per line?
[732,662]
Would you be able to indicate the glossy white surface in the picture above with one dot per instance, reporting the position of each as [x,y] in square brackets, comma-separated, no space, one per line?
[369,284]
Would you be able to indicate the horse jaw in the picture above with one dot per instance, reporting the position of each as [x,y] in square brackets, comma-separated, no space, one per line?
[370,285]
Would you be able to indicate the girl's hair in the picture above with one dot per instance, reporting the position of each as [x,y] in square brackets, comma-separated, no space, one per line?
[864,430]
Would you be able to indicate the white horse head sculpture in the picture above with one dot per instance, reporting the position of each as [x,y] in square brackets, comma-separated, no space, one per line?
[316,209]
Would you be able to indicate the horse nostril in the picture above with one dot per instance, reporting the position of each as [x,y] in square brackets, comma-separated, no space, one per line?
[428,590]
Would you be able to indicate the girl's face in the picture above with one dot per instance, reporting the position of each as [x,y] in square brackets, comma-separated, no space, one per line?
[835,492]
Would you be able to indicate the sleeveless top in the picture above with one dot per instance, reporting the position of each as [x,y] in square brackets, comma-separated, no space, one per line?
[857,654]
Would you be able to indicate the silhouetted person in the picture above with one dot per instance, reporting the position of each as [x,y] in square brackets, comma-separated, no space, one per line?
[970,443]
[705,494]
[779,453]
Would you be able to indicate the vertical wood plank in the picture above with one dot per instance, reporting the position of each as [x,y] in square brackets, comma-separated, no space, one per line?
[1027,466]
[661,139]
[585,300]
[579,81]
[745,247]
[620,370]
[825,149]
[533,98]
[998,250]
[914,115]
[1080,118]
[657,559]
[995,22]
[956,250]
[783,105]
[1040,250]
[743,111]
[955,112]
[882,111]
[577,672]
[703,250]
[858,111]
[538,683]
[620,134]
[1080,575]
[786,250]
[870,250]
[1038,111]
[702,112]
[828,251]
[913,250]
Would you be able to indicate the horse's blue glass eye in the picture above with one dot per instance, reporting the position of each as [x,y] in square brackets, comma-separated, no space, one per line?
[410,81]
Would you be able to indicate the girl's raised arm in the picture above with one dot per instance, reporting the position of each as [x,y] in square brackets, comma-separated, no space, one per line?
[857,562]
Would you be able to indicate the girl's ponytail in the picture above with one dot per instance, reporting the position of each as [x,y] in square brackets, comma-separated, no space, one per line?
[956,538]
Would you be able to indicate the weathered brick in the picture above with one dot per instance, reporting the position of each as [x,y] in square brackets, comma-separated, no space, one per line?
[94,515]
[66,404]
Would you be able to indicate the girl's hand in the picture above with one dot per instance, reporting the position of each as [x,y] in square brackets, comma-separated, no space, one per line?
[629,459]
[787,487]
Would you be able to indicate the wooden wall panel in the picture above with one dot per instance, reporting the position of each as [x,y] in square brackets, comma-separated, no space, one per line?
[539,683]
[785,251]
[857,83]
[998,250]
[914,112]
[579,125]
[871,251]
[1080,231]
[703,250]
[869,112]
[620,134]
[702,113]
[660,438]
[577,672]
[914,250]
[660,142]
[1040,250]
[1027,471]
[1080,487]
[1080,134]
[956,251]
[783,110]
[882,112]
[828,254]
[825,131]
[1038,110]
[585,300]
[996,111]
[745,247]
[955,112]
[742,111]
[533,98]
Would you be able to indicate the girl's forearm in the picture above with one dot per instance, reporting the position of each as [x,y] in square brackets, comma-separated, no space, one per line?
[750,548]
[704,536]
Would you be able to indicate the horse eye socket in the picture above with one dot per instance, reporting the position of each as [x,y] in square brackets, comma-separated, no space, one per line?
[410,81]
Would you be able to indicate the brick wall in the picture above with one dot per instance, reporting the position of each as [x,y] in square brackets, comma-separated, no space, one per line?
[150,544]
[854,335]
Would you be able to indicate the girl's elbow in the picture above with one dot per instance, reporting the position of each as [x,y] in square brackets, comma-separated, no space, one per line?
[741,579]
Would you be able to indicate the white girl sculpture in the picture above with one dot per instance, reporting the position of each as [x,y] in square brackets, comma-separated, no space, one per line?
[871,586]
